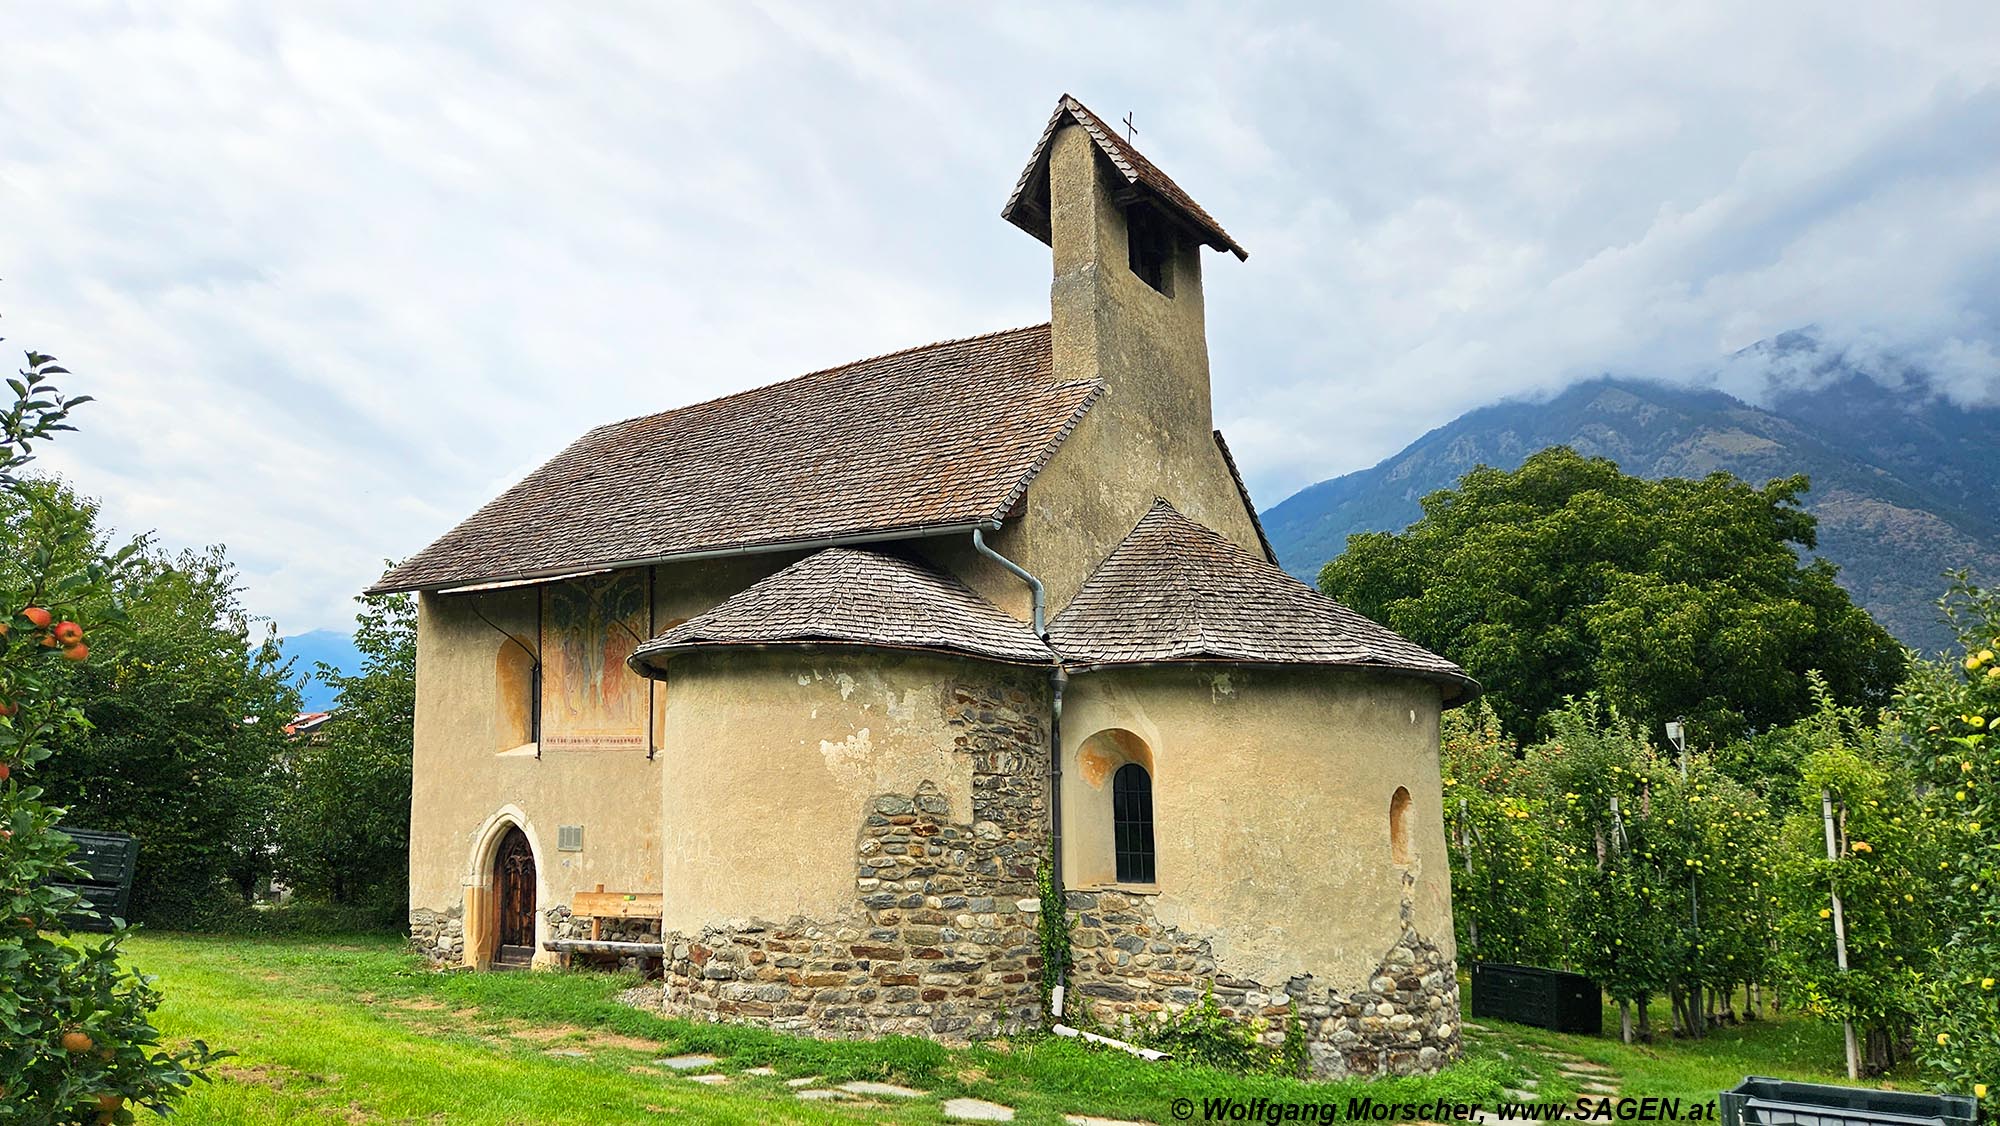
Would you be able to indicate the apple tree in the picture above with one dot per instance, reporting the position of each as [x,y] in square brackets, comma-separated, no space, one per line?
[77,1042]
[1947,714]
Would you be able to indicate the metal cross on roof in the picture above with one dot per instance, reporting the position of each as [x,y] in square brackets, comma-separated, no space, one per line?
[1129,127]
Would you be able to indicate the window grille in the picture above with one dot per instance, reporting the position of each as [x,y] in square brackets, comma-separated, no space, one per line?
[1132,823]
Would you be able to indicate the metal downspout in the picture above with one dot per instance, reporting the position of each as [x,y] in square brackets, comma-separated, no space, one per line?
[1034,584]
[1058,680]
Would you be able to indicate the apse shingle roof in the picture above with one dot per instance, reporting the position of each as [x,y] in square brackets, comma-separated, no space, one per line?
[1028,206]
[944,435]
[847,596]
[1174,590]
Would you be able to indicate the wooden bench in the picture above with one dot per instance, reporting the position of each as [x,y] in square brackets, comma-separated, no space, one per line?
[600,905]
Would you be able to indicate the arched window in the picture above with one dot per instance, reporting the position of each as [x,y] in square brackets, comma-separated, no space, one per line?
[1399,827]
[1132,823]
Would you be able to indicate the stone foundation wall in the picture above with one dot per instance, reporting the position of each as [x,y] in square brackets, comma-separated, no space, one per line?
[439,935]
[1130,969]
[941,940]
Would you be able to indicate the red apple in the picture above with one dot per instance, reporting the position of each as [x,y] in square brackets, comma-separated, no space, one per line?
[68,633]
[38,617]
[77,652]
[5,770]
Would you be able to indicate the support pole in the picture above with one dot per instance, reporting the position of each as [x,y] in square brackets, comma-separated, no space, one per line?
[1839,930]
[1465,847]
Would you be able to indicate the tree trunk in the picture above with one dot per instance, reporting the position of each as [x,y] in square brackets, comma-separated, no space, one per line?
[1625,1022]
[1645,1018]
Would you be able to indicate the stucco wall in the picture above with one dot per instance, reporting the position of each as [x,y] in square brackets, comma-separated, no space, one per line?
[776,755]
[1271,797]
[473,773]
[852,841]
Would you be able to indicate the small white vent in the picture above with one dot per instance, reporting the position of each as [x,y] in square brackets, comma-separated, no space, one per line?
[569,838]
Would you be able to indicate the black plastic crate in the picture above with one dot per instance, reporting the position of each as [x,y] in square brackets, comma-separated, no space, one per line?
[1758,1101]
[1553,999]
[109,860]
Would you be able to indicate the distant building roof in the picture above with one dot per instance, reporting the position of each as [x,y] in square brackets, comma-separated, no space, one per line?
[940,436]
[1174,591]
[1028,207]
[845,596]
[307,722]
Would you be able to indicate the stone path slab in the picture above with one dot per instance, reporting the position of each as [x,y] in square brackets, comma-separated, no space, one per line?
[977,1110]
[886,1090]
[762,1071]
[713,1079]
[817,1094]
[687,1063]
[806,1082]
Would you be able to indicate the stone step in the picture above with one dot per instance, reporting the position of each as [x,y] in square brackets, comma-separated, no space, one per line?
[882,1090]
[687,1063]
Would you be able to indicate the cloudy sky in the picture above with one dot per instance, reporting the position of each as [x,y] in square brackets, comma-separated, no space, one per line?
[340,276]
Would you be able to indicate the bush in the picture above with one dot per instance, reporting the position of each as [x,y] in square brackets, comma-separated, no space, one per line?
[1204,1035]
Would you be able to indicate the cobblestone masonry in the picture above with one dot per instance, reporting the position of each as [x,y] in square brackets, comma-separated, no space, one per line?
[438,935]
[1130,968]
[941,941]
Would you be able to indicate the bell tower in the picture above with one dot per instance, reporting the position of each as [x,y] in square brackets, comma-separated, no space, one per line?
[1126,311]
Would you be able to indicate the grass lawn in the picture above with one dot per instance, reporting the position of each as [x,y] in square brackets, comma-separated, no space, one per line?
[356,1030]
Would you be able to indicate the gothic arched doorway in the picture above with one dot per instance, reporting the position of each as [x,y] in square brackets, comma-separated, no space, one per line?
[514,898]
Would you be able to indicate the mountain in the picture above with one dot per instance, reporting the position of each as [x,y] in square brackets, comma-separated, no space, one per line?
[1904,483]
[308,650]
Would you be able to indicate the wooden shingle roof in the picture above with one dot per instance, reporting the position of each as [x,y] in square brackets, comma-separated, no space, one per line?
[1028,206]
[1176,591]
[848,596]
[941,436]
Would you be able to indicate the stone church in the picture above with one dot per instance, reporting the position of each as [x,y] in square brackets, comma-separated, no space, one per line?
[801,690]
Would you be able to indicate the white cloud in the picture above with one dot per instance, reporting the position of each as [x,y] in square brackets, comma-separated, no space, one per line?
[338,277]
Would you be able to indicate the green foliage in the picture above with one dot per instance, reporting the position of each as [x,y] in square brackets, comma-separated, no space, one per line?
[1507,885]
[1668,598]
[1947,715]
[1591,850]
[1886,844]
[1293,1056]
[1205,1036]
[186,728]
[1052,930]
[77,1043]
[344,819]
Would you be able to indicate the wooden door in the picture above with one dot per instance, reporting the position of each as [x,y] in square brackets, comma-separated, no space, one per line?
[514,892]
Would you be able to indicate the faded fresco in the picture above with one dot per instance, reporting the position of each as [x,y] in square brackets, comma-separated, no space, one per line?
[590,700]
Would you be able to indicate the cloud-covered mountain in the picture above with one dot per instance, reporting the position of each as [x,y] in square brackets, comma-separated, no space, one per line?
[1905,483]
